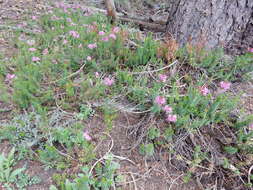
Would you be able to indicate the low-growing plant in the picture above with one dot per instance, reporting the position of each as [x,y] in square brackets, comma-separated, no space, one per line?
[104,178]
[81,63]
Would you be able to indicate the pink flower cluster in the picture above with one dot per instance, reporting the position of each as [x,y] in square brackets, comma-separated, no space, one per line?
[110,36]
[97,75]
[32,49]
[161,101]
[101,33]
[167,109]
[105,39]
[69,20]
[45,51]
[9,77]
[108,81]
[89,58]
[35,59]
[74,34]
[34,17]
[171,118]
[116,29]
[87,136]
[251,127]
[162,77]
[92,46]
[204,90]
[30,42]
[225,85]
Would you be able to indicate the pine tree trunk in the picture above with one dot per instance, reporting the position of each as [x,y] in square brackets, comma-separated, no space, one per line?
[227,23]
[111,10]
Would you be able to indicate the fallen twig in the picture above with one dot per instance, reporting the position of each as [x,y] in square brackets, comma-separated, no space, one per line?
[136,20]
[156,70]
[249,174]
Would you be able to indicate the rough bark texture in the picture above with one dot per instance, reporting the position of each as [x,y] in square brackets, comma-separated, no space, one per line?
[226,23]
[111,10]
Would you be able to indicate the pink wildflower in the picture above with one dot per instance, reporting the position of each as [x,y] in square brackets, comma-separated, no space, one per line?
[30,42]
[204,90]
[9,77]
[251,50]
[225,85]
[87,136]
[34,17]
[65,41]
[65,10]
[116,29]
[91,27]
[74,34]
[45,51]
[251,127]
[113,36]
[160,100]
[34,59]
[69,19]
[92,46]
[101,33]
[162,77]
[32,49]
[105,39]
[171,118]
[96,74]
[108,81]
[167,109]
[89,58]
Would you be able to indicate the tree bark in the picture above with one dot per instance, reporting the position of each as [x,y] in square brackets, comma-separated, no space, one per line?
[227,23]
[111,10]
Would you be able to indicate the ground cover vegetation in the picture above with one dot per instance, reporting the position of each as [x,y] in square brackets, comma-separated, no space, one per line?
[79,66]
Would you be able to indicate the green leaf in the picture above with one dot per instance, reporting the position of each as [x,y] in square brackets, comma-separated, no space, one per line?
[7,173]
[153,133]
[69,185]
[52,187]
[155,109]
[230,149]
[169,132]
[147,149]
[16,173]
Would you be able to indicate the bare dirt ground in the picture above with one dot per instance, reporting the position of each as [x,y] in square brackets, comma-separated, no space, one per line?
[145,174]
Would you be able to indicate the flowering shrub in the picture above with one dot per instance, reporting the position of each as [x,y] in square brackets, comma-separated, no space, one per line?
[80,59]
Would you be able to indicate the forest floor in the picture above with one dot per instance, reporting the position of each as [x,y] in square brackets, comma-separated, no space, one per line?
[141,172]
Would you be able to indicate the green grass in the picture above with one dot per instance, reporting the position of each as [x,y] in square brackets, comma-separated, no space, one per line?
[54,96]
